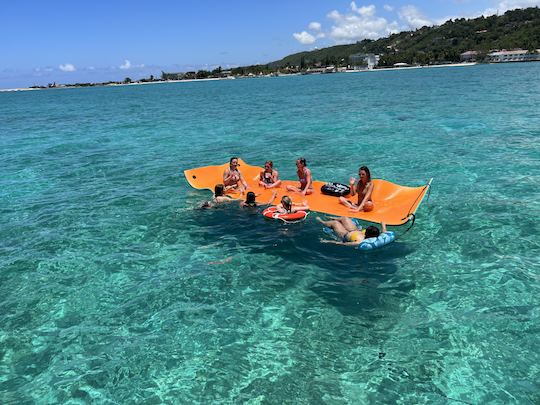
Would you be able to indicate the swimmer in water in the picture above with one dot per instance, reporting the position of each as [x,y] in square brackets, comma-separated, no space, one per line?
[347,231]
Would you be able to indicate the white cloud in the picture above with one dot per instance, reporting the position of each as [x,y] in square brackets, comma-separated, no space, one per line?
[503,6]
[413,17]
[362,23]
[366,11]
[68,67]
[314,26]
[304,37]
[126,65]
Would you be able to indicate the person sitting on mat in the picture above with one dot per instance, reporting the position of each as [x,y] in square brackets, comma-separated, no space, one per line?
[232,178]
[251,203]
[288,207]
[364,189]
[347,231]
[304,176]
[269,178]
[218,198]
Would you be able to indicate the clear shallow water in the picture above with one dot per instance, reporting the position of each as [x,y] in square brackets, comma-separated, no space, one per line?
[114,289]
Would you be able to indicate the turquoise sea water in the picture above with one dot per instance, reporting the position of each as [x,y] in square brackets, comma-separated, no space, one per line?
[114,289]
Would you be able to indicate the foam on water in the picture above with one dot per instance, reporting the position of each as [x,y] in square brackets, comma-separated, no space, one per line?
[115,289]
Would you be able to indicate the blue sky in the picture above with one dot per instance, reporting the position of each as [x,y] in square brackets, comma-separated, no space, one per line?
[70,41]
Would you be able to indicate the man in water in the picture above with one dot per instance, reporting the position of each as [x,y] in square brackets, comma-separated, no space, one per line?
[304,176]
[232,178]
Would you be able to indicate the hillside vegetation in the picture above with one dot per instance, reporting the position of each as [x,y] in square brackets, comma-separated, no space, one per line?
[434,45]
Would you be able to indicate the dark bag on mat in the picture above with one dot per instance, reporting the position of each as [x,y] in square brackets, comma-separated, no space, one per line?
[335,189]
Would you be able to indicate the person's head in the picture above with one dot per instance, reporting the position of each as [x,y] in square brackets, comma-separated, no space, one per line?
[286,202]
[365,175]
[301,162]
[219,190]
[250,198]
[268,165]
[372,232]
[234,162]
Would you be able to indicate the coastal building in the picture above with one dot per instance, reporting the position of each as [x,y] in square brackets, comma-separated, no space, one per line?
[363,60]
[469,56]
[518,55]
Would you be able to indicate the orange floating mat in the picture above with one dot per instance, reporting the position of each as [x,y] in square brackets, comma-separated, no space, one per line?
[394,204]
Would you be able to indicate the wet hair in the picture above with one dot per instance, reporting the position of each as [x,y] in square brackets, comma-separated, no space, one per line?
[286,202]
[302,160]
[365,168]
[372,232]
[270,163]
[234,157]
[219,190]
[250,198]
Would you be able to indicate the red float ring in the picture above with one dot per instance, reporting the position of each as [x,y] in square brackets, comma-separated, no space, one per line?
[271,213]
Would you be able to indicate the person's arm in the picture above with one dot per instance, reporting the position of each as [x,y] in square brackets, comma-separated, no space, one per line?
[261,177]
[352,186]
[335,242]
[300,206]
[244,182]
[275,180]
[383,226]
[227,176]
[309,182]
[367,197]
[271,199]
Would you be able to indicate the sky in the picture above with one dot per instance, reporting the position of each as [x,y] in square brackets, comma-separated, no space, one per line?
[93,41]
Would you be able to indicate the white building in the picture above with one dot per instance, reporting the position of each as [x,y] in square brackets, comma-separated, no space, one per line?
[364,60]
[469,56]
[518,55]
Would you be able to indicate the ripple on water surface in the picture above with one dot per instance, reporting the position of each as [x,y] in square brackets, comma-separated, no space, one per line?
[115,289]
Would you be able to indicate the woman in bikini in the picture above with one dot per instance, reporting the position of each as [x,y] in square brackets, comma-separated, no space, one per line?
[347,231]
[232,178]
[364,189]
[269,178]
[304,176]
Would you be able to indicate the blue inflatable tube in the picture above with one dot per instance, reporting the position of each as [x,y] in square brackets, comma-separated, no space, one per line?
[374,243]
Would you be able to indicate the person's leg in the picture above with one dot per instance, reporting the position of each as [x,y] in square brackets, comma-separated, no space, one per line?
[294,189]
[348,224]
[347,203]
[336,226]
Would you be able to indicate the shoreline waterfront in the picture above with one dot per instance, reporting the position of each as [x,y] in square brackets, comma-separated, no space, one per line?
[240,77]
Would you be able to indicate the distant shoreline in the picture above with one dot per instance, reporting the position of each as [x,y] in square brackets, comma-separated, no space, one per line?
[108,85]
[464,64]
[415,67]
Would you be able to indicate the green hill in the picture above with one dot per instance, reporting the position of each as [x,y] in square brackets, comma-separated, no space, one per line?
[432,45]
